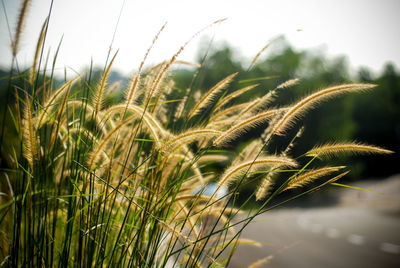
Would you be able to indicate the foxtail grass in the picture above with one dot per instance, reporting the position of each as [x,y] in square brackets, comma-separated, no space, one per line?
[128,184]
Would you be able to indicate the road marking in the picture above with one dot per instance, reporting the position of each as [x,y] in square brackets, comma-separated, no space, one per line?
[356,239]
[390,248]
[332,233]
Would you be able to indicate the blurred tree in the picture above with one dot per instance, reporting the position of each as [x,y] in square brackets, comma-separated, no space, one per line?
[372,117]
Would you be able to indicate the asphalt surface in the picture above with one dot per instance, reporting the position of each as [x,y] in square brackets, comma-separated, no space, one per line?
[362,231]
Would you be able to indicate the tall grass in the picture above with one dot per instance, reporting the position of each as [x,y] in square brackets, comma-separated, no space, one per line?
[129,184]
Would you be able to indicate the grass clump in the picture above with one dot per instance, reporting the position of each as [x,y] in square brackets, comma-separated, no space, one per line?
[128,184]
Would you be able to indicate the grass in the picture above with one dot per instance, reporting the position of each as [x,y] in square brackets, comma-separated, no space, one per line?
[129,184]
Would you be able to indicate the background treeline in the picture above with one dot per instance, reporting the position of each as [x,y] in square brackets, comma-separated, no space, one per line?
[372,117]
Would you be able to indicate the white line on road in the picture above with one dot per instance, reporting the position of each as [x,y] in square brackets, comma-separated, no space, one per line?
[356,239]
[390,248]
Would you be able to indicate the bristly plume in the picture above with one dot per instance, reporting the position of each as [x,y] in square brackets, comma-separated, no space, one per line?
[129,96]
[210,95]
[299,109]
[21,22]
[257,56]
[310,176]
[264,188]
[98,95]
[244,126]
[231,172]
[37,51]
[233,95]
[188,137]
[328,150]
[29,135]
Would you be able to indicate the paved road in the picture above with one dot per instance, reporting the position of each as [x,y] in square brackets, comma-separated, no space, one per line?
[333,237]
[355,234]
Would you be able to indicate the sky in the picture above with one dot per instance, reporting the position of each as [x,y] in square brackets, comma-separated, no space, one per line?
[366,31]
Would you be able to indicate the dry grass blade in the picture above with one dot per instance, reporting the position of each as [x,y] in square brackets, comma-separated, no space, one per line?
[298,109]
[354,148]
[210,95]
[244,126]
[230,173]
[310,176]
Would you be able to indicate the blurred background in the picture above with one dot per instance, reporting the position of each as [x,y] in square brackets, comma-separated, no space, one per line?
[321,42]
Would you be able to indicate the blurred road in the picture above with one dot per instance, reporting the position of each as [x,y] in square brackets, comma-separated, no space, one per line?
[362,231]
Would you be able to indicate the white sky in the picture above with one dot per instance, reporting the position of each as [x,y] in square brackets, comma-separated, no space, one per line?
[364,30]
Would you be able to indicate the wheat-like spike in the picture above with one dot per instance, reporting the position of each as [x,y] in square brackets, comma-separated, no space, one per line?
[250,107]
[98,94]
[90,113]
[249,152]
[328,150]
[240,241]
[113,87]
[53,98]
[264,188]
[60,113]
[37,52]
[230,173]
[310,176]
[222,124]
[308,102]
[289,83]
[190,197]
[153,125]
[244,126]
[210,95]
[212,158]
[94,156]
[228,111]
[17,108]
[28,133]
[167,88]
[21,22]
[165,67]
[155,86]
[292,142]
[180,108]
[270,96]
[129,96]
[260,262]
[233,95]
[187,138]
[337,177]
[257,56]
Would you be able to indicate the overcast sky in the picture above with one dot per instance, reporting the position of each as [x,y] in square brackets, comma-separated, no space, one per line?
[367,31]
